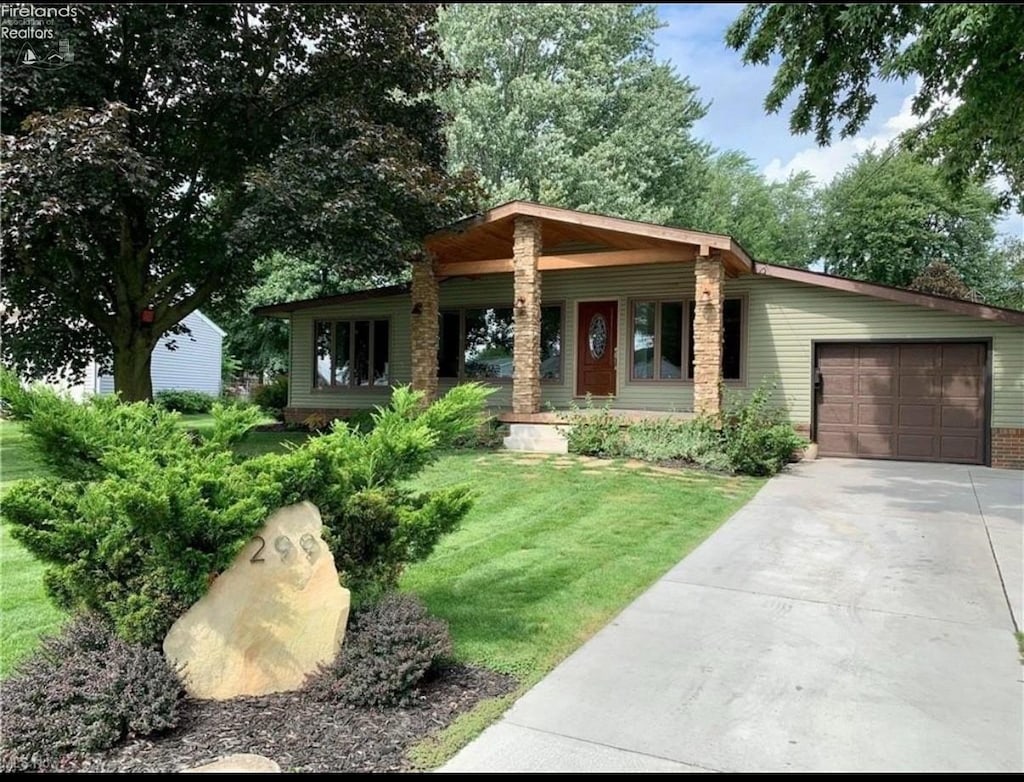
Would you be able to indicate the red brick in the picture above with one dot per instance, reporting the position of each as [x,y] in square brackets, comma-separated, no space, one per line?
[1008,448]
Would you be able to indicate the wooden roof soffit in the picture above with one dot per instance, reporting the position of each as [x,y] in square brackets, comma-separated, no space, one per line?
[488,238]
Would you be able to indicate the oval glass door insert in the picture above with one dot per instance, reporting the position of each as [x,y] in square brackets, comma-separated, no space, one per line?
[597,336]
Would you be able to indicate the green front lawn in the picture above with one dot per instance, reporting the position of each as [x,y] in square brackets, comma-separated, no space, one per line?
[25,611]
[554,547]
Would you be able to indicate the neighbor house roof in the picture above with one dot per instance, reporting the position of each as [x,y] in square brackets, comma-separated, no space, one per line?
[210,323]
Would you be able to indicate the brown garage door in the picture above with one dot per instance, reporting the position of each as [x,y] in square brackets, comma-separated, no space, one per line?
[915,401]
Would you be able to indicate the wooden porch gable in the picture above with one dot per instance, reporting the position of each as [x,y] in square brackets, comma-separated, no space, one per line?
[573,240]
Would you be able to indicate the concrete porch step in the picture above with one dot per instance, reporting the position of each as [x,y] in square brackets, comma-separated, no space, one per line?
[536,438]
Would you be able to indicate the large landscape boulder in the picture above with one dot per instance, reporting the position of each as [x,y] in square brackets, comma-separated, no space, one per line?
[270,619]
[237,764]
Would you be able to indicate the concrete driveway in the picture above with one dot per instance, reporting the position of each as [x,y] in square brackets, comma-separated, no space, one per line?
[854,616]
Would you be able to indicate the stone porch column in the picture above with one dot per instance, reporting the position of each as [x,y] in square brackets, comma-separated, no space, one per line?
[424,327]
[526,249]
[709,296]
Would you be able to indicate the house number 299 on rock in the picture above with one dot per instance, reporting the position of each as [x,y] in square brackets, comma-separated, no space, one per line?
[283,546]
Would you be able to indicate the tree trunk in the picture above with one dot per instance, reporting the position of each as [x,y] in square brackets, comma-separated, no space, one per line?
[132,363]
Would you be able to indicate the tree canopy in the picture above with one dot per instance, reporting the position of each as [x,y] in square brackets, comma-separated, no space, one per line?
[774,221]
[564,103]
[888,215]
[184,142]
[261,344]
[940,279]
[966,57]
[1008,274]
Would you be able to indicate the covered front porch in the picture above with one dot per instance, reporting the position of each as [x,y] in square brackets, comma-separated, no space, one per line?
[519,245]
[625,416]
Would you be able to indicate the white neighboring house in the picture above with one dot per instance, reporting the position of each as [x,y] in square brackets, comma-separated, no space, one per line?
[194,364]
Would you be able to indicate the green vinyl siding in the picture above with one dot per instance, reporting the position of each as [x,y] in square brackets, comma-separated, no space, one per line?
[785,317]
[781,320]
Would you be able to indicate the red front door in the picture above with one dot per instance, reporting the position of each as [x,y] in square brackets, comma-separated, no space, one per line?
[595,348]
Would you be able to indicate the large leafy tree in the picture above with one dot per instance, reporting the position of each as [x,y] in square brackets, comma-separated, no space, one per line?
[888,215]
[260,345]
[184,142]
[1008,274]
[774,221]
[565,104]
[966,56]
[940,279]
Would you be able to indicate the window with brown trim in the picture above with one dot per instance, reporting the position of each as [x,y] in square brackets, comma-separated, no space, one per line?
[351,353]
[732,340]
[477,343]
[661,334]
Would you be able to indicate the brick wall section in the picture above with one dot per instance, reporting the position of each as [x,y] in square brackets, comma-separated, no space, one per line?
[1008,448]
[424,328]
[709,295]
[526,248]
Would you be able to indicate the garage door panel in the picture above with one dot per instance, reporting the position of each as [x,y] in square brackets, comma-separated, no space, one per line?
[875,356]
[842,384]
[839,356]
[838,442]
[926,386]
[919,356]
[837,413]
[960,356]
[874,385]
[919,401]
[874,445]
[961,387]
[964,416]
[917,446]
[919,416]
[961,449]
[874,414]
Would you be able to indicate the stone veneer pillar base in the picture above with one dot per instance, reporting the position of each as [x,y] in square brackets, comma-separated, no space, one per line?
[526,249]
[424,328]
[709,298]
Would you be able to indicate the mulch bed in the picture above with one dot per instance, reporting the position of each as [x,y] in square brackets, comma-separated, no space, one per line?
[279,427]
[305,735]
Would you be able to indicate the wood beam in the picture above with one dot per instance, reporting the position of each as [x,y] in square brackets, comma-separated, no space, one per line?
[548,263]
[473,268]
[615,258]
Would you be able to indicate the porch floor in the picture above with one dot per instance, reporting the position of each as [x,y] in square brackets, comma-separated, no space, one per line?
[558,416]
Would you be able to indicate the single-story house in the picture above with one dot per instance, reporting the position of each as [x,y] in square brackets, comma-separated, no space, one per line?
[552,305]
[182,362]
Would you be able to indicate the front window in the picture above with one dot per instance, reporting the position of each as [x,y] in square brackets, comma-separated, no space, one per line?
[478,343]
[550,343]
[660,334]
[352,353]
[487,347]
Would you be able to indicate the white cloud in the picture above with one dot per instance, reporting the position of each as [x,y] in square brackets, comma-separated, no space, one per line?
[825,162]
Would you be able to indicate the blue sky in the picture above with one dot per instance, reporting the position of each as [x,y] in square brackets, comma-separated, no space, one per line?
[693,41]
